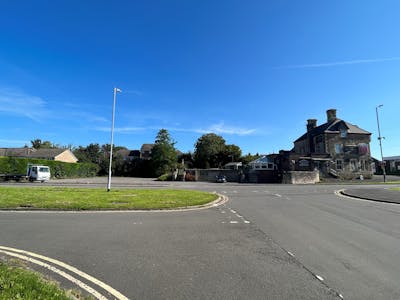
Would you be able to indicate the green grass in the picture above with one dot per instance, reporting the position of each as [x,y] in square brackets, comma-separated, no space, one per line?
[396,189]
[17,282]
[92,199]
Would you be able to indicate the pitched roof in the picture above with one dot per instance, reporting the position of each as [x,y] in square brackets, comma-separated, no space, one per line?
[333,127]
[16,151]
[46,153]
[34,153]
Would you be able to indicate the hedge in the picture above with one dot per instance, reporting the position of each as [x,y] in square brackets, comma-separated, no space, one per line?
[58,169]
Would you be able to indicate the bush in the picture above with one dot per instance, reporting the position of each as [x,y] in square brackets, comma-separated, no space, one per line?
[165,177]
[58,169]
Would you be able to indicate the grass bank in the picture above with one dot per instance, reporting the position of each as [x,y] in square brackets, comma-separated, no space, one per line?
[94,199]
[17,282]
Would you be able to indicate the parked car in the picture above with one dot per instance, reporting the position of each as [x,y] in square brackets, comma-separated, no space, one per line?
[220,178]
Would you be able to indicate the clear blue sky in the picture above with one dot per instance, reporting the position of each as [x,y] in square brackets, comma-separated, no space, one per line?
[251,71]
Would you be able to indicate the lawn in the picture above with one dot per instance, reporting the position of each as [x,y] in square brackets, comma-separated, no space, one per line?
[93,199]
[17,282]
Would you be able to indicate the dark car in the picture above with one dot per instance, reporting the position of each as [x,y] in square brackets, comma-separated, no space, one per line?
[220,178]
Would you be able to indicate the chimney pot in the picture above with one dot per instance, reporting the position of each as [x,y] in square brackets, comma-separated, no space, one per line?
[311,124]
[331,115]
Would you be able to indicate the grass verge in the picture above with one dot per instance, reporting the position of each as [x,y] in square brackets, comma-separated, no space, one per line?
[396,189]
[17,282]
[94,199]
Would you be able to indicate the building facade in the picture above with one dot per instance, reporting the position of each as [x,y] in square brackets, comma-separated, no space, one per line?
[336,148]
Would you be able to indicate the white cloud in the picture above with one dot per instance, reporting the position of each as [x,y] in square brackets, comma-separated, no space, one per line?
[221,128]
[340,63]
[18,103]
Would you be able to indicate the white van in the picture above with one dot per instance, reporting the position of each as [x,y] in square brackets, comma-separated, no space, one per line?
[38,173]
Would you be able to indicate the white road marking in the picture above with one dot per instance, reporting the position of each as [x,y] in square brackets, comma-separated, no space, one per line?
[278,195]
[233,222]
[246,222]
[255,191]
[319,278]
[290,253]
[235,192]
[79,283]
[233,211]
[341,296]
[99,283]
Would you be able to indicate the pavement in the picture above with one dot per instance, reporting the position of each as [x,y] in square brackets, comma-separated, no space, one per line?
[374,194]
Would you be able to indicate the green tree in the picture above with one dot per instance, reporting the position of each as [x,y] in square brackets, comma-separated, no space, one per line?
[231,153]
[208,151]
[39,144]
[163,154]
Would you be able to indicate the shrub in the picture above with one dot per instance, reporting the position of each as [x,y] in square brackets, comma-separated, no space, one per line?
[165,177]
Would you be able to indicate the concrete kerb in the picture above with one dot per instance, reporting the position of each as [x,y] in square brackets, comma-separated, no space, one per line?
[222,199]
[344,194]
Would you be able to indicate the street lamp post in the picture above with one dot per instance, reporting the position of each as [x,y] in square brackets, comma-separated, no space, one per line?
[380,143]
[112,138]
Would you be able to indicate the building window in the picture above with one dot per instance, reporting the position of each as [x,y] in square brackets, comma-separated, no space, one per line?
[353,165]
[343,133]
[339,164]
[338,148]
[364,165]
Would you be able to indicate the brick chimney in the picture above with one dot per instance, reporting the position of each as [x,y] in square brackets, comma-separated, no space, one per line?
[311,124]
[331,115]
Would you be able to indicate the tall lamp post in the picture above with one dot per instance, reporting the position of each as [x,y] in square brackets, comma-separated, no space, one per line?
[112,138]
[380,143]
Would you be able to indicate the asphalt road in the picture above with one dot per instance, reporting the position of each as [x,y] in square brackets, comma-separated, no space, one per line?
[267,242]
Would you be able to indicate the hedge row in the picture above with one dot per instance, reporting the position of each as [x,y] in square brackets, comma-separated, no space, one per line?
[58,169]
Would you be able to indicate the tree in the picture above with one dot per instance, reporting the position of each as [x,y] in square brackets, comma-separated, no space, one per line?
[187,159]
[208,150]
[39,144]
[163,154]
[231,153]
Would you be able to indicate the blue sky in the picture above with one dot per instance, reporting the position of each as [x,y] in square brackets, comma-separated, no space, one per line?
[251,71]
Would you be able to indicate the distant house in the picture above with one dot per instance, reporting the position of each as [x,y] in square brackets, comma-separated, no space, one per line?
[64,155]
[392,163]
[128,155]
[263,163]
[336,147]
[233,166]
[145,151]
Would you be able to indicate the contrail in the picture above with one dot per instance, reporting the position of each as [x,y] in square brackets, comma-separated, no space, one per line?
[340,63]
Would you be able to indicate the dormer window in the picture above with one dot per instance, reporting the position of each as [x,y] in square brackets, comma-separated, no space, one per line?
[343,133]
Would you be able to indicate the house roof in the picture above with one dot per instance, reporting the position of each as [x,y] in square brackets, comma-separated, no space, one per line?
[47,153]
[34,153]
[262,160]
[16,151]
[333,127]
[147,147]
[391,158]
